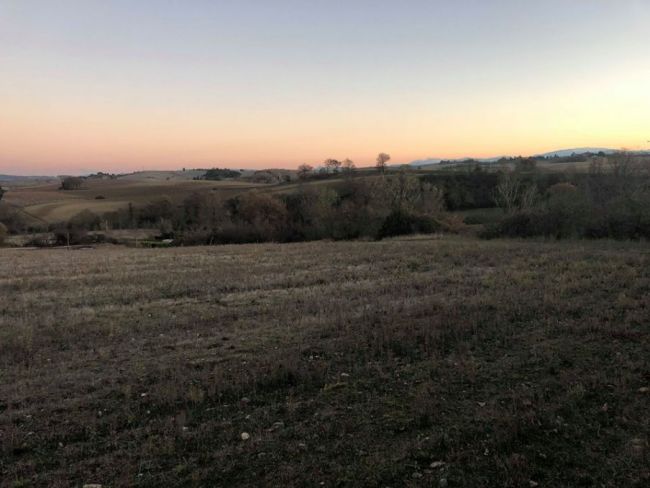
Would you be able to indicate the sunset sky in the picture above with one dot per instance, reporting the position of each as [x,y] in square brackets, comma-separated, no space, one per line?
[119,85]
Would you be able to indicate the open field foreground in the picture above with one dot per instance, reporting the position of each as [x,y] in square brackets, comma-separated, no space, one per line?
[415,362]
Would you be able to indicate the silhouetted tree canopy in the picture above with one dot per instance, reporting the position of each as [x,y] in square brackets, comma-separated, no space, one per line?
[71,183]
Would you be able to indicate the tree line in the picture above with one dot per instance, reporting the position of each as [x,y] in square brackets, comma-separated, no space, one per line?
[611,200]
[369,207]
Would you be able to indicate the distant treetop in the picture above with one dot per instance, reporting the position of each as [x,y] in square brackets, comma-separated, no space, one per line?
[71,183]
[220,173]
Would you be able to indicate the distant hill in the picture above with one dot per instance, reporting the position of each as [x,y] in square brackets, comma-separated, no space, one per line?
[432,161]
[12,178]
[425,162]
[563,153]
[162,175]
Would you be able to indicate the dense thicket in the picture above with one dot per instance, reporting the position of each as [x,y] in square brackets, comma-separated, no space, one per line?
[605,202]
[71,183]
[356,208]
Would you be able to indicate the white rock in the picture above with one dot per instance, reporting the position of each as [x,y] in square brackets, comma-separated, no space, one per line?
[245,436]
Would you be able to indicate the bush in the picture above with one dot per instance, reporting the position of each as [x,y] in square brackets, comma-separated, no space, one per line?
[3,233]
[264,214]
[402,223]
[521,224]
[85,220]
[17,222]
[66,235]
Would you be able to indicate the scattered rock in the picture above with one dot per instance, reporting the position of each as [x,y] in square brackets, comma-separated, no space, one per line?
[345,375]
[92,485]
[437,464]
[443,483]
[481,404]
[416,475]
[533,484]
[334,386]
[245,436]
[276,426]
[644,389]
[245,400]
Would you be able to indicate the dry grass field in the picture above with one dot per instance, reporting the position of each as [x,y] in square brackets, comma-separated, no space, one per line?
[48,203]
[414,362]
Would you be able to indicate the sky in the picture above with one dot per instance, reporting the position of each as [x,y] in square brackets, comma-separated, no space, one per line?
[123,85]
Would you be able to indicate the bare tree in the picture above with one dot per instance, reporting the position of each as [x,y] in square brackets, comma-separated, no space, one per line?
[507,192]
[621,164]
[333,165]
[382,159]
[348,166]
[304,170]
[432,199]
[404,191]
[625,171]
[528,198]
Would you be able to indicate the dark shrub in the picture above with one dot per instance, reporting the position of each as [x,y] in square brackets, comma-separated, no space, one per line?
[71,183]
[401,223]
[69,235]
[521,224]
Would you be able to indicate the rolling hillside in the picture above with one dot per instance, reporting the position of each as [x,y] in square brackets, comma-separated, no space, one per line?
[49,203]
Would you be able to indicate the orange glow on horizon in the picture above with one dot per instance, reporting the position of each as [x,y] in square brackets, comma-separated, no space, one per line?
[86,89]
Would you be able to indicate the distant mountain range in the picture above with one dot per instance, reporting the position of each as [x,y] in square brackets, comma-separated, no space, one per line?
[560,153]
